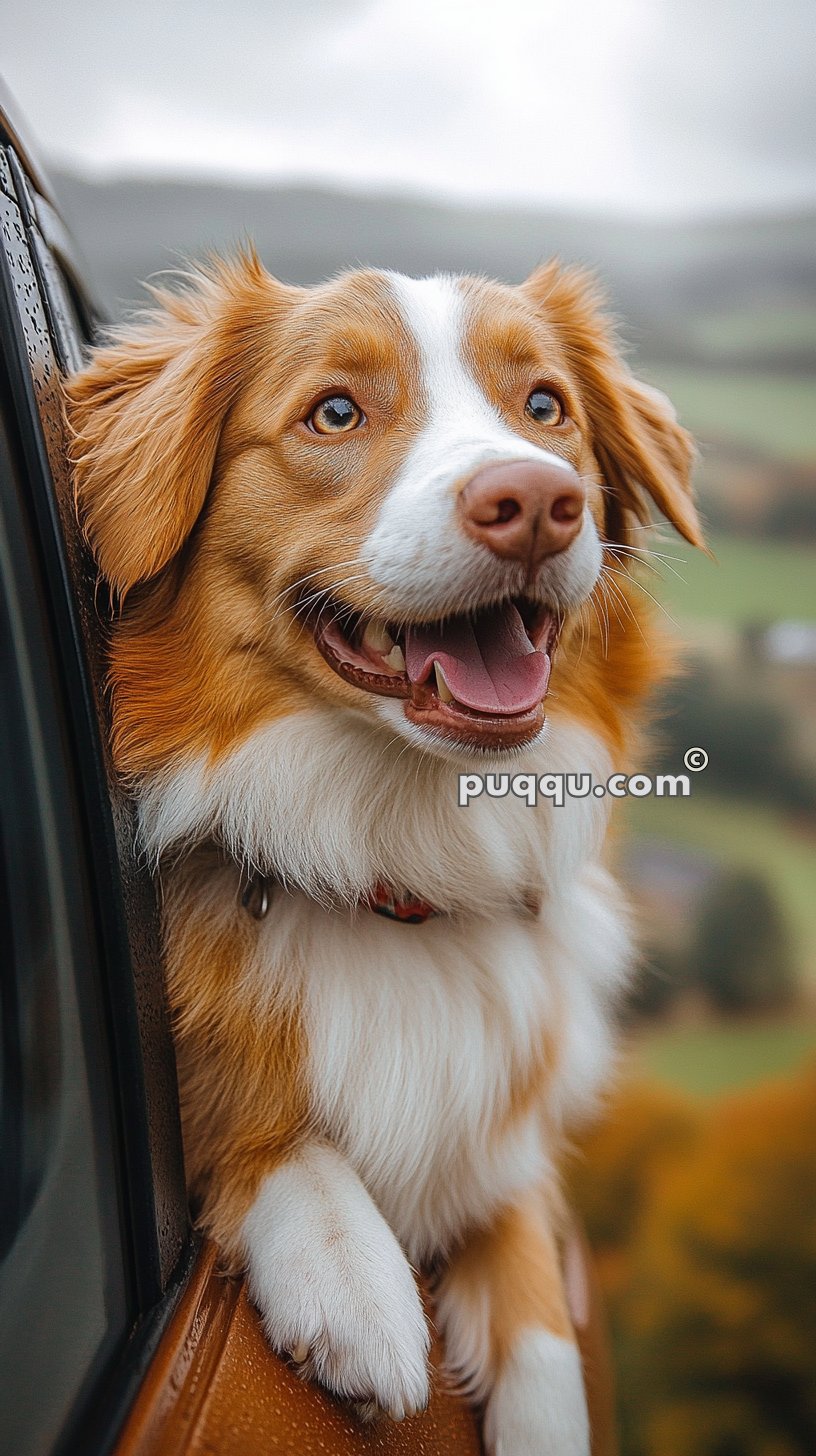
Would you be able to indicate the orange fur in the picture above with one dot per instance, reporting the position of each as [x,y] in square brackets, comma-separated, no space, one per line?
[513,1269]
[639,446]
[146,415]
[243,1099]
[609,661]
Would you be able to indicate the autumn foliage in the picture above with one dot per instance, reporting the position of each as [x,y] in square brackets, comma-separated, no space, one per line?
[704,1228]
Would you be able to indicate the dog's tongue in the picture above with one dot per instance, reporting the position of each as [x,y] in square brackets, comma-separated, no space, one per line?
[488,660]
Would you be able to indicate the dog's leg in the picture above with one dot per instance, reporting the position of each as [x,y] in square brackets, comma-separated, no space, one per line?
[333,1285]
[509,1337]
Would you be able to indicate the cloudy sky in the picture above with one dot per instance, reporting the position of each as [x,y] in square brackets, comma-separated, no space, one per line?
[651,105]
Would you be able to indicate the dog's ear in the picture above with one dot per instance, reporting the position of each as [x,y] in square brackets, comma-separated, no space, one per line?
[146,414]
[639,445]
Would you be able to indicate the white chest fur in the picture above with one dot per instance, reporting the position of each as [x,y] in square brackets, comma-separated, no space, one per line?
[419,1036]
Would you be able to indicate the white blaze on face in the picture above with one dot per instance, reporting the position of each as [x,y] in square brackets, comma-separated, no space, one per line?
[418,552]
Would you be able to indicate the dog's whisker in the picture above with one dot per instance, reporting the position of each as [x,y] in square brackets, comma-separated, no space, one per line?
[602,622]
[640,553]
[613,605]
[637,561]
[599,602]
[582,622]
[639,584]
[619,595]
[295,586]
[333,589]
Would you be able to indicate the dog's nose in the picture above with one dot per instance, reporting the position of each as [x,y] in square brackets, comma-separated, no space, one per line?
[524,510]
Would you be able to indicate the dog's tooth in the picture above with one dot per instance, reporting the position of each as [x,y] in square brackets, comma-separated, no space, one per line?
[377,637]
[445,694]
[396,658]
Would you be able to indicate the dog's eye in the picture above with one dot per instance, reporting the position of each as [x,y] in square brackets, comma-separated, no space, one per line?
[544,407]
[335,416]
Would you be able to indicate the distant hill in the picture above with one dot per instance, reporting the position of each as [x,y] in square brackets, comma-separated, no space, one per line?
[661,275]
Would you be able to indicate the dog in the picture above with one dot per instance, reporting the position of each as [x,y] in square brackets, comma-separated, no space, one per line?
[362,538]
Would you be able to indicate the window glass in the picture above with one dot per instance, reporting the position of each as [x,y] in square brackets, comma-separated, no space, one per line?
[64,1288]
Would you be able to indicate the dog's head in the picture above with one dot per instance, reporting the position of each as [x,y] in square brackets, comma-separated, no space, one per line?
[391,494]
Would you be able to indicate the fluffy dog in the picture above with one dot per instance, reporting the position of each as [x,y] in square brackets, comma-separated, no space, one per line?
[364,537]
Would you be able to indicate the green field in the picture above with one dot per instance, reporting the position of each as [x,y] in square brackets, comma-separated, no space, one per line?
[772,413]
[745,835]
[750,332]
[708,1060]
[749,581]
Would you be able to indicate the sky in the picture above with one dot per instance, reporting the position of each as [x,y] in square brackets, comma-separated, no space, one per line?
[650,106]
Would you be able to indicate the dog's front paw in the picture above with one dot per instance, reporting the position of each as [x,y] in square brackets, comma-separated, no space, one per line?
[538,1405]
[366,1342]
[334,1288]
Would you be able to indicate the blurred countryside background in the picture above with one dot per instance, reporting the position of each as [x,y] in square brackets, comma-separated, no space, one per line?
[668,145]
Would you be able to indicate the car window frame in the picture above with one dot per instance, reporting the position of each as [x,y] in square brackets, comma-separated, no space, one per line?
[37,284]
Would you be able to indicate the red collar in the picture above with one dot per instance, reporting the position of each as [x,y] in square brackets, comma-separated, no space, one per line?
[410,912]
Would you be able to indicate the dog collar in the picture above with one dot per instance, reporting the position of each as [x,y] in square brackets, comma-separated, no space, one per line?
[255,898]
[410,911]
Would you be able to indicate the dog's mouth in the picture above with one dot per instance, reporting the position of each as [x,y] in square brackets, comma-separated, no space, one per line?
[479,678]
